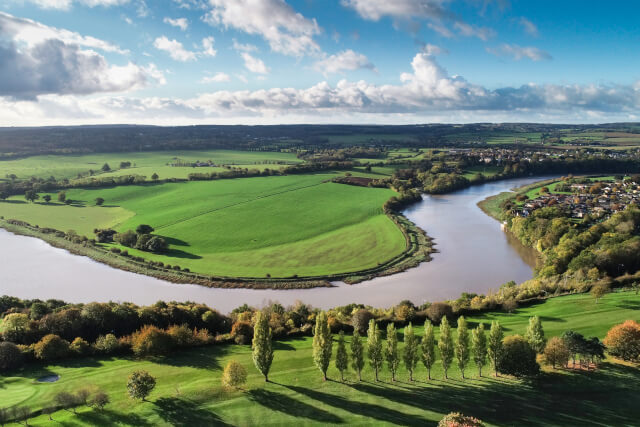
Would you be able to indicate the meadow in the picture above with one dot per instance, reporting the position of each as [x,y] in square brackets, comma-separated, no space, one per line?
[188,388]
[250,227]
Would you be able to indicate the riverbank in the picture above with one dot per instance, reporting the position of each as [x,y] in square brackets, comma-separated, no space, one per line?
[419,247]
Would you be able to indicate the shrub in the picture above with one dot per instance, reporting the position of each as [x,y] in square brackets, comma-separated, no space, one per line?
[80,347]
[99,400]
[360,320]
[456,419]
[51,347]
[242,332]
[107,344]
[150,341]
[181,335]
[66,400]
[517,358]
[10,356]
[128,238]
[623,340]
[157,244]
[234,375]
[438,310]
[556,352]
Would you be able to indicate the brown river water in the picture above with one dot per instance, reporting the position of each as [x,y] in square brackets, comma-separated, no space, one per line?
[475,255]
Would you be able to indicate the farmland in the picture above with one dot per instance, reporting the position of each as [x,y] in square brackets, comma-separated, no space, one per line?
[253,227]
[189,390]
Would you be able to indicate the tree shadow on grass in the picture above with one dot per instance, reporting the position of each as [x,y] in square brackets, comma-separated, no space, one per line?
[15,202]
[108,418]
[197,357]
[369,410]
[629,305]
[175,242]
[288,405]
[177,253]
[183,412]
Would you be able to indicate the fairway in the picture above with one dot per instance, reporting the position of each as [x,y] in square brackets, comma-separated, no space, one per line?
[251,227]
[188,388]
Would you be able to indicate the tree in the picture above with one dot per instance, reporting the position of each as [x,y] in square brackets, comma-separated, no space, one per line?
[10,356]
[128,238]
[155,176]
[410,354]
[51,347]
[150,341]
[31,195]
[99,201]
[46,198]
[517,357]
[428,348]
[234,375]
[599,291]
[391,350]
[262,345]
[479,347]
[80,347]
[106,167]
[99,400]
[140,384]
[156,244]
[374,347]
[360,320]
[445,345]
[62,196]
[4,416]
[66,400]
[322,344]
[4,194]
[15,326]
[535,334]
[23,413]
[144,229]
[438,310]
[494,345]
[575,342]
[623,340]
[342,358]
[357,354]
[556,352]
[462,350]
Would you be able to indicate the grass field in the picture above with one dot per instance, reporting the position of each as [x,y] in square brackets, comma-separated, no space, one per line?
[249,227]
[146,163]
[188,388]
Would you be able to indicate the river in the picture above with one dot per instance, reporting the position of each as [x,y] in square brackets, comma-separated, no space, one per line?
[475,255]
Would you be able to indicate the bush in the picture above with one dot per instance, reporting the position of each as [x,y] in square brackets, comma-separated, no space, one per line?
[438,310]
[517,358]
[360,320]
[234,375]
[80,347]
[51,347]
[242,332]
[151,341]
[556,352]
[623,340]
[181,335]
[10,356]
[128,238]
[107,344]
[140,384]
[456,419]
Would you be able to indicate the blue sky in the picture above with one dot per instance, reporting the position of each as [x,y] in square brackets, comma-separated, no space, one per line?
[317,61]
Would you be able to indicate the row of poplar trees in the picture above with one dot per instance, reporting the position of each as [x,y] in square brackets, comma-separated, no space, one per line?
[464,347]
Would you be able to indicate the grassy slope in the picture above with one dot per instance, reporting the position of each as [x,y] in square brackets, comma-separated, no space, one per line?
[188,391]
[243,227]
[146,163]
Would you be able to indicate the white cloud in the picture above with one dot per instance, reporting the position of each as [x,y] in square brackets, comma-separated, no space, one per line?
[431,49]
[347,60]
[219,77]
[519,52]
[66,4]
[441,29]
[181,23]
[37,59]
[207,47]
[253,64]
[244,47]
[285,30]
[242,78]
[467,30]
[406,9]
[175,49]
[529,27]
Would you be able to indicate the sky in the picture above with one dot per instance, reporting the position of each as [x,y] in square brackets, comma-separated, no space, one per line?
[185,62]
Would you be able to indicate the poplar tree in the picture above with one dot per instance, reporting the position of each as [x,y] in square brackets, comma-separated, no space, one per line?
[322,344]
[410,354]
[374,347]
[462,350]
[342,358]
[262,345]
[494,345]
[535,334]
[479,347]
[445,345]
[428,347]
[357,354]
[391,351]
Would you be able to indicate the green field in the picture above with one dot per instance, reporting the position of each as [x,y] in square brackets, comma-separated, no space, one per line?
[145,163]
[189,392]
[249,227]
